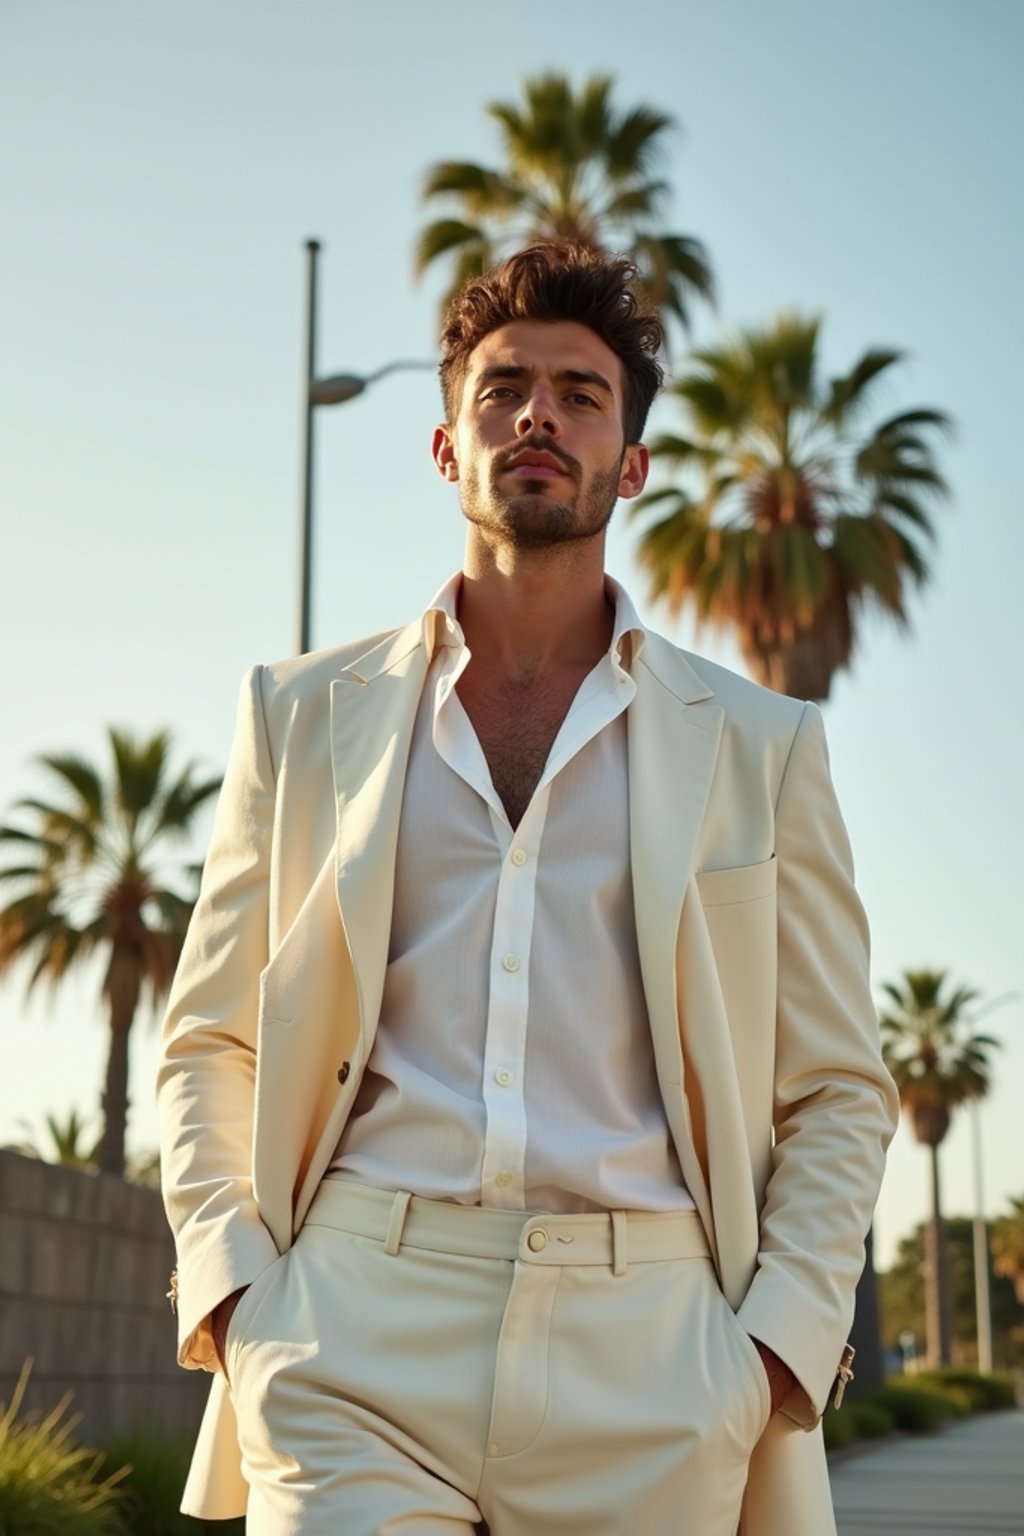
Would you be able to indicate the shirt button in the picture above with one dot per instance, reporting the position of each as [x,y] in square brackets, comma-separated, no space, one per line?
[519,857]
[504,1179]
[511,962]
[504,1076]
[537,1241]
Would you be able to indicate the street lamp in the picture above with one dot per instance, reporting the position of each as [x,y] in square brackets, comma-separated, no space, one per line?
[979,1225]
[979,1234]
[334,390]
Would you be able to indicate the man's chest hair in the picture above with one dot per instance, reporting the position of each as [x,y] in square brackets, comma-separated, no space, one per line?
[516,725]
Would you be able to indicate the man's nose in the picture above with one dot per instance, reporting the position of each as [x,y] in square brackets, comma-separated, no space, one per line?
[538,414]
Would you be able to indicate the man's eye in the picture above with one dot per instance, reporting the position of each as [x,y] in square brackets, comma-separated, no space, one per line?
[499,391]
[580,399]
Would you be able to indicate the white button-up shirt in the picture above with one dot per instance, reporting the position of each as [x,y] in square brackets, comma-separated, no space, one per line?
[513,1064]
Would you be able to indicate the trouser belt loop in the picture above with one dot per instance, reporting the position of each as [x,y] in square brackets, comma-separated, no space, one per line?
[396,1222]
[619,1255]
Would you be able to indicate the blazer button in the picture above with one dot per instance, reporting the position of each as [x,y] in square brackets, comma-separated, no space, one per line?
[343,1071]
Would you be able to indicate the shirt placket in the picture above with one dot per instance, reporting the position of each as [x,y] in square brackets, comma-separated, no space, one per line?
[603,696]
[503,1175]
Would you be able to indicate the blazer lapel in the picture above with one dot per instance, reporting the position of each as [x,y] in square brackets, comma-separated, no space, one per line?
[335,993]
[674,733]
[373,710]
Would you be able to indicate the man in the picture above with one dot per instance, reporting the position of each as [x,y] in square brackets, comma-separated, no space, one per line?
[522,1106]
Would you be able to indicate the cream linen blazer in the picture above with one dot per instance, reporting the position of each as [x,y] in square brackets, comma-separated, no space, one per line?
[753,950]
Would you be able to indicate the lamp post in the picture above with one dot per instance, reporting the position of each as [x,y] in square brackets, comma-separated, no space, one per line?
[979,1225]
[979,1232]
[334,390]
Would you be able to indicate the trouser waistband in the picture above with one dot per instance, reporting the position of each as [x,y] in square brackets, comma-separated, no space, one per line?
[613,1238]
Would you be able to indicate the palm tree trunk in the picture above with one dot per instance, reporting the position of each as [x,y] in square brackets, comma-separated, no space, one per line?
[937,1303]
[122,988]
[115,1104]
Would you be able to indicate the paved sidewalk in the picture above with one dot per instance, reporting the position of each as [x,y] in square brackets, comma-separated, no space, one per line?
[966,1481]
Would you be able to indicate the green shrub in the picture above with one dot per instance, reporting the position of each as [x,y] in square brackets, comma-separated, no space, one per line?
[156,1467]
[959,1400]
[48,1485]
[984,1391]
[871,1420]
[914,1408]
[838,1429]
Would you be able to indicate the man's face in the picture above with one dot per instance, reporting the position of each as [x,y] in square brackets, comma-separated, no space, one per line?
[538,447]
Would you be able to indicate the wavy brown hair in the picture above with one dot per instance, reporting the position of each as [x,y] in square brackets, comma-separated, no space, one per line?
[560,280]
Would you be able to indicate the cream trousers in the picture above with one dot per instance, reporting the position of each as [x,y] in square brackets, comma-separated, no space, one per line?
[412,1367]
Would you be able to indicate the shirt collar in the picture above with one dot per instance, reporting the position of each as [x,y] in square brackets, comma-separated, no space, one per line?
[628,634]
[440,618]
[441,625]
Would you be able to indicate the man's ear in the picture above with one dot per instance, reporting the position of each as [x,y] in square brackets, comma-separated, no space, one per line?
[636,461]
[443,450]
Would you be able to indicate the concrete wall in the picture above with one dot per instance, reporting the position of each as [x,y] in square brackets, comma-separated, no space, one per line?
[84,1266]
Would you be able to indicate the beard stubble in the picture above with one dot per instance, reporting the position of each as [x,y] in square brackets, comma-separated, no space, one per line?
[533,518]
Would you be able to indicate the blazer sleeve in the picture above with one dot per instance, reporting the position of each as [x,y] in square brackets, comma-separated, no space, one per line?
[835,1105]
[207,1067]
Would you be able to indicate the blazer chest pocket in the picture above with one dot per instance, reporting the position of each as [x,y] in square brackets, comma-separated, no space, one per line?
[739,909]
[730,887]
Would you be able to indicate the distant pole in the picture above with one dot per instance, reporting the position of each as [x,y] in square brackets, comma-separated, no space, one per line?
[982,1304]
[334,390]
[979,1226]
[305,577]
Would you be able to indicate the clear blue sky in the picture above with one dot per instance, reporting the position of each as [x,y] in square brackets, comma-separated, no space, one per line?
[161,167]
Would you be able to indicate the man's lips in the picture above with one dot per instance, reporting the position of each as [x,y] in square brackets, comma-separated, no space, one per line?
[536,472]
[536,466]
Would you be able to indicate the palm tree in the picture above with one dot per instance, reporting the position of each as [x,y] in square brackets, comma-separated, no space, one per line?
[88,882]
[69,1142]
[938,1062]
[1008,1246]
[801,518]
[575,169]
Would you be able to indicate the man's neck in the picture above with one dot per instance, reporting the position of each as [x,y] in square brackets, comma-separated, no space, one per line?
[529,613]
